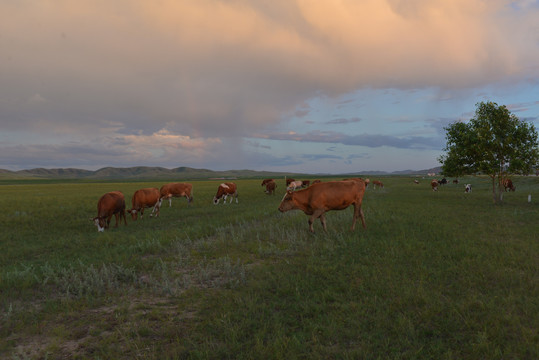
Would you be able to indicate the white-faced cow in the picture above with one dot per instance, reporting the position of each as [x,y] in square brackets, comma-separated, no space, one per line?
[468,188]
[224,190]
[319,198]
[270,187]
[145,198]
[508,184]
[112,203]
[434,185]
[168,191]
[416,181]
[293,185]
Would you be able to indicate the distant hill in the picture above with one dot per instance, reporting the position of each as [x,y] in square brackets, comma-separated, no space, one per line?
[150,173]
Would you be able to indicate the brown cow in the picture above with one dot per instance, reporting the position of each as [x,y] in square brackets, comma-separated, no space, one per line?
[112,203]
[289,180]
[434,185]
[224,190]
[316,181]
[377,182]
[265,181]
[168,191]
[319,198]
[145,198]
[270,187]
[508,184]
[305,183]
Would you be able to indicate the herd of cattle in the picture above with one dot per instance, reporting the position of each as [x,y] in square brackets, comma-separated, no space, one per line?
[314,199]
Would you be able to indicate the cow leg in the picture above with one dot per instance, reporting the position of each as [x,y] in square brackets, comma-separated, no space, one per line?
[125,218]
[141,212]
[117,215]
[323,221]
[236,198]
[170,201]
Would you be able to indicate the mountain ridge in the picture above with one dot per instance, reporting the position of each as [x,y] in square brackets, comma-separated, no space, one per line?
[155,172]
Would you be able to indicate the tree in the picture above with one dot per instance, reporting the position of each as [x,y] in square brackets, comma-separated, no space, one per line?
[494,142]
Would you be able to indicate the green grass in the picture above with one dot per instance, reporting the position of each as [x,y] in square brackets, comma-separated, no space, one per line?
[436,275]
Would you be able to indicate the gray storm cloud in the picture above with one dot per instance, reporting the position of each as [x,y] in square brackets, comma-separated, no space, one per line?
[230,68]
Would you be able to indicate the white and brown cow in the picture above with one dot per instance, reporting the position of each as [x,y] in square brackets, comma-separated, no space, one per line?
[224,190]
[468,188]
[111,203]
[434,185]
[168,191]
[320,198]
[293,185]
[377,183]
[145,198]
[508,184]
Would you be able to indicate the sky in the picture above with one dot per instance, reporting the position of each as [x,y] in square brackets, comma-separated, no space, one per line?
[327,86]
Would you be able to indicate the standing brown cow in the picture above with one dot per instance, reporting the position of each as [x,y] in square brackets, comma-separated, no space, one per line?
[168,191]
[145,198]
[270,187]
[319,198]
[112,203]
[224,190]
[434,185]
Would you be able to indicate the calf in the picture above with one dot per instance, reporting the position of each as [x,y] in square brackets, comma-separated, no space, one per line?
[224,190]
[145,198]
[270,187]
[508,184]
[468,188]
[168,191]
[294,184]
[434,185]
[112,203]
[319,198]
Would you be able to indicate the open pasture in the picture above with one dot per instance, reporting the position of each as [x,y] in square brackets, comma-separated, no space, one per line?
[436,275]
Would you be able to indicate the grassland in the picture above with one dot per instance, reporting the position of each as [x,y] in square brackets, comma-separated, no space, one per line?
[443,275]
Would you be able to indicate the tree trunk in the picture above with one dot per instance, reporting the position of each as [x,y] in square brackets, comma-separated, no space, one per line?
[494,197]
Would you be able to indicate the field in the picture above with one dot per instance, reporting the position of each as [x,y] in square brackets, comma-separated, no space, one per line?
[436,275]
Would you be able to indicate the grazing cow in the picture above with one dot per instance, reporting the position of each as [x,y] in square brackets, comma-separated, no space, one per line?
[434,184]
[168,191]
[416,181]
[145,198]
[270,187]
[379,183]
[306,183]
[112,203]
[316,181]
[456,181]
[443,181]
[224,190]
[317,199]
[265,181]
[468,188]
[294,184]
[508,184]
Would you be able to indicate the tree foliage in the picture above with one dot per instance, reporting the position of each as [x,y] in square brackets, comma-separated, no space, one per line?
[494,142]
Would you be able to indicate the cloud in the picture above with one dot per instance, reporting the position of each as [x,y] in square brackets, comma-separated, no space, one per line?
[368,140]
[341,121]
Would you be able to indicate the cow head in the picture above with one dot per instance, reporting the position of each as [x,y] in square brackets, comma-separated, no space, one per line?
[133,213]
[288,202]
[100,222]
